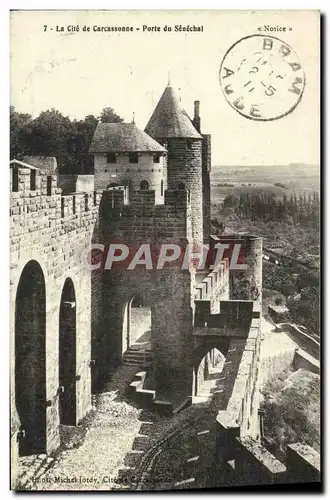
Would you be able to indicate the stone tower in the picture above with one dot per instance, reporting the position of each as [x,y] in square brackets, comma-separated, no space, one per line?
[171,126]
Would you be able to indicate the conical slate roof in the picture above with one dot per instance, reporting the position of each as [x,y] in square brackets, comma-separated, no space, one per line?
[122,137]
[169,120]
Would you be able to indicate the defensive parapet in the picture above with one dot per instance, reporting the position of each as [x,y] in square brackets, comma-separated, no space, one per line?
[37,205]
[254,464]
[240,419]
[143,221]
[49,233]
[34,191]
[245,284]
[215,285]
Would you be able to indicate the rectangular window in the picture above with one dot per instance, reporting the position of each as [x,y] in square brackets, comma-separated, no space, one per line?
[133,157]
[111,158]
[156,158]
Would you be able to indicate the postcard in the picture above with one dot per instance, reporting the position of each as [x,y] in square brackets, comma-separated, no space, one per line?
[165,249]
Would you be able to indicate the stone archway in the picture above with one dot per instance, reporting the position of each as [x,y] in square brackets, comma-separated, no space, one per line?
[206,365]
[30,359]
[136,323]
[67,355]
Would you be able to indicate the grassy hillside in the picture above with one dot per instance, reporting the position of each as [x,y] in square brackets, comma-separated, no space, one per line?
[292,405]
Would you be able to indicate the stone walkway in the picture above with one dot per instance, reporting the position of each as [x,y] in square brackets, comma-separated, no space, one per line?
[103,451]
[94,463]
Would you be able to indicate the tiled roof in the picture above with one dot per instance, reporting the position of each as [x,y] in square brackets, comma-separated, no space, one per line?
[169,120]
[118,137]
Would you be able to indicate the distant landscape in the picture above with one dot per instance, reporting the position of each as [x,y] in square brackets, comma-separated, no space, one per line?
[280,179]
[282,205]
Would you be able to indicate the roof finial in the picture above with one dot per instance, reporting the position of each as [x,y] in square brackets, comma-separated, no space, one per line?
[169,78]
[133,120]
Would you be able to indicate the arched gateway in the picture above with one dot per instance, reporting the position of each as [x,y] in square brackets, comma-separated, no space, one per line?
[30,359]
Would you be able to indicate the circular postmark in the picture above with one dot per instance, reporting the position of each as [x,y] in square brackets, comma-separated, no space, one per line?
[262,77]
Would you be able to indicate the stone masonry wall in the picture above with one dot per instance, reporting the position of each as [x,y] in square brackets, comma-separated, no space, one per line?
[166,291]
[53,231]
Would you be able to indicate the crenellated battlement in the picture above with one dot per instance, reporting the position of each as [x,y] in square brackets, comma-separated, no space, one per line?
[36,198]
[24,180]
[34,192]
[115,198]
[213,282]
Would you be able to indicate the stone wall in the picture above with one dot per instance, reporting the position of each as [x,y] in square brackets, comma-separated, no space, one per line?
[254,464]
[166,291]
[53,230]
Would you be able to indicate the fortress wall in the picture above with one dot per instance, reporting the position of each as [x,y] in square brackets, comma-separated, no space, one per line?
[166,291]
[238,431]
[53,231]
[238,420]
[142,221]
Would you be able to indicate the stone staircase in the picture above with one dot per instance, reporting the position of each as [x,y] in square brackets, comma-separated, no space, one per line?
[137,357]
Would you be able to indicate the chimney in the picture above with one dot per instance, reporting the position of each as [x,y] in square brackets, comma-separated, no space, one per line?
[197,120]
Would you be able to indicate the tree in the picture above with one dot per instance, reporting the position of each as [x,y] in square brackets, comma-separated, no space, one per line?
[20,129]
[86,129]
[108,115]
[55,135]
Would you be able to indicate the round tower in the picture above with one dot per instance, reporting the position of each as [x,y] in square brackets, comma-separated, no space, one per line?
[171,126]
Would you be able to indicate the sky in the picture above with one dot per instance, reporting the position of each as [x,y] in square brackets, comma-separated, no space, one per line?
[80,73]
